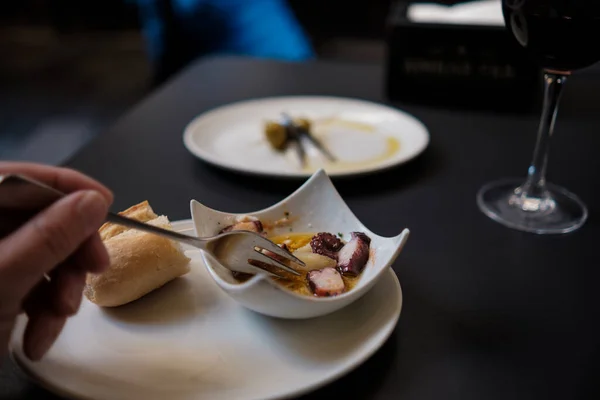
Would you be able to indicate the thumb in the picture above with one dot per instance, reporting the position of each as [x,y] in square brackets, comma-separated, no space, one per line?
[49,238]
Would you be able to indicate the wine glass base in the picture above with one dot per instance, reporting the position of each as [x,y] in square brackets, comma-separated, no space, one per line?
[562,212]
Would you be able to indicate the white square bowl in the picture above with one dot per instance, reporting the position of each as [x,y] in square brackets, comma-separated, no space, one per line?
[315,207]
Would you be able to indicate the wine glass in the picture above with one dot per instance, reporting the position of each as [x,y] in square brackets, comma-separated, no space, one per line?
[554,33]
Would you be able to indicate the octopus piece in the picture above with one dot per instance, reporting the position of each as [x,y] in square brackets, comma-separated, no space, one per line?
[252,226]
[353,257]
[326,245]
[326,282]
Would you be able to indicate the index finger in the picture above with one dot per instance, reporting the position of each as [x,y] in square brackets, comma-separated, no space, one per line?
[64,179]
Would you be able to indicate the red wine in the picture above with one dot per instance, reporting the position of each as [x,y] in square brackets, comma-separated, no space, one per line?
[561,35]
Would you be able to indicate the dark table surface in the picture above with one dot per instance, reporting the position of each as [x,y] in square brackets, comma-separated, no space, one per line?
[489,313]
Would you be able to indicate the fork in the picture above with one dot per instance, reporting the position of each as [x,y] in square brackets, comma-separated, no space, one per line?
[298,133]
[295,138]
[239,251]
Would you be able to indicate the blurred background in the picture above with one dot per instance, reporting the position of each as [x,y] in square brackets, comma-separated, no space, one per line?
[70,68]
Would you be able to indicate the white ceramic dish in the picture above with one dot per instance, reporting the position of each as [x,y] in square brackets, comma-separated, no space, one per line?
[365,136]
[189,340]
[315,207]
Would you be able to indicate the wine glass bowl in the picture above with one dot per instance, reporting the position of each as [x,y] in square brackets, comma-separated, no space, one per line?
[551,32]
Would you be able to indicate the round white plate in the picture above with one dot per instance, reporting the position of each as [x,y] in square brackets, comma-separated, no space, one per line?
[189,340]
[364,136]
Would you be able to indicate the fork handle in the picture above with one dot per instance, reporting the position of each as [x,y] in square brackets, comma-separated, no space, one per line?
[21,192]
[133,224]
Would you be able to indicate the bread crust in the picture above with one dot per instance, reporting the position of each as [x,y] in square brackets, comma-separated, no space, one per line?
[142,212]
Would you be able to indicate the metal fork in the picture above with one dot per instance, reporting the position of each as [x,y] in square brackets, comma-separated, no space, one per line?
[295,137]
[239,251]
[300,133]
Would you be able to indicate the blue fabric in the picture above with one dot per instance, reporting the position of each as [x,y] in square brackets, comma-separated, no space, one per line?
[259,28]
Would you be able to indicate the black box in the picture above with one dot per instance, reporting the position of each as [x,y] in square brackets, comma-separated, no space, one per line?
[464,66]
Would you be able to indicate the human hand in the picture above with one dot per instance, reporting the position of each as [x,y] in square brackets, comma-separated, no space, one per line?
[60,242]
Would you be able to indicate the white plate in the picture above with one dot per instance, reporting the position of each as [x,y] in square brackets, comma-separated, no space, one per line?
[364,136]
[189,340]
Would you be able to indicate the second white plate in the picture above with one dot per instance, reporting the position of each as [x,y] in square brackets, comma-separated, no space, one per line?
[364,136]
[189,340]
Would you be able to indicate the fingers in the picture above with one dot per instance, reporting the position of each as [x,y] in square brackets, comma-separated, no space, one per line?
[64,230]
[66,290]
[62,293]
[50,238]
[91,256]
[11,221]
[48,307]
[7,323]
[44,323]
[63,179]
[41,332]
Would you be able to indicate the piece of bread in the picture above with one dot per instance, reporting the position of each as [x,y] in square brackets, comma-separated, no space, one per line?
[140,262]
[140,212]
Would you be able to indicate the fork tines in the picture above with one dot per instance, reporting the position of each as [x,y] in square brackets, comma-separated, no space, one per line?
[271,258]
[263,259]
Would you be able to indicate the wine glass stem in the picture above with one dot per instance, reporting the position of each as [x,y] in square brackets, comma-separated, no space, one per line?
[535,186]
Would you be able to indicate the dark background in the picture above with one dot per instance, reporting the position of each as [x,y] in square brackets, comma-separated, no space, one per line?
[69,68]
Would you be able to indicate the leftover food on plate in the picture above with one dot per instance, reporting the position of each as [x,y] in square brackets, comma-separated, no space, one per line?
[279,134]
[355,144]
[332,265]
[139,262]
